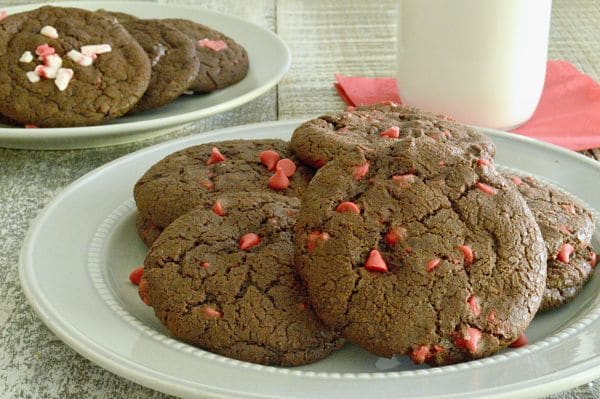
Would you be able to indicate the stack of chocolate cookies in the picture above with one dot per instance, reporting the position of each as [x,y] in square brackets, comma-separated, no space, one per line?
[384,226]
[64,67]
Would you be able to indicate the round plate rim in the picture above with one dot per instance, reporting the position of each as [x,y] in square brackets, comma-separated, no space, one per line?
[561,379]
[8,135]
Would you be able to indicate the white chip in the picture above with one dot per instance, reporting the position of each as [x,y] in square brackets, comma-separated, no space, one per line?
[79,58]
[63,77]
[49,31]
[33,77]
[96,49]
[46,72]
[53,61]
[26,57]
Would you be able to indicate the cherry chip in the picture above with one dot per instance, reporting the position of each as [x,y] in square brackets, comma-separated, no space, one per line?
[520,341]
[248,241]
[269,158]
[287,165]
[375,262]
[347,206]
[279,181]
[136,275]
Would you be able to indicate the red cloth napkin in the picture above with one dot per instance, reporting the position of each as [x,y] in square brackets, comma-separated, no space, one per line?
[357,91]
[568,113]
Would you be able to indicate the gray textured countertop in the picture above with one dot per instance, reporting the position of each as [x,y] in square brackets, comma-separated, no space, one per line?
[36,364]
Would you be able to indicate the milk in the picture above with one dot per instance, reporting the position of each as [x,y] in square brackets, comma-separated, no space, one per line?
[481,61]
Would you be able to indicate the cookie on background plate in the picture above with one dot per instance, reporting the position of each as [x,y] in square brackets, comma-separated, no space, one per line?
[377,127]
[117,16]
[68,67]
[172,57]
[226,283]
[425,252]
[567,227]
[190,177]
[223,62]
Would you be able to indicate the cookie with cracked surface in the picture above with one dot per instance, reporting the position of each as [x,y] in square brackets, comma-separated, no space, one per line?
[566,280]
[567,227]
[226,283]
[147,230]
[377,127]
[223,62]
[172,57]
[63,86]
[187,178]
[404,254]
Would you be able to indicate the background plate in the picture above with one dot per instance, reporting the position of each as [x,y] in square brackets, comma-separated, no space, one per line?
[269,61]
[78,253]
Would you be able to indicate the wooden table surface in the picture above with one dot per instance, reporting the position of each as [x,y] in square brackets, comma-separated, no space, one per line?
[326,37]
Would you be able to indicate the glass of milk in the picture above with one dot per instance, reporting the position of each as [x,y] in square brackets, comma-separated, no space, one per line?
[482,62]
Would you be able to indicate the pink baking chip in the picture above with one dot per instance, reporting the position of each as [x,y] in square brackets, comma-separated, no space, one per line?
[80,58]
[63,77]
[44,50]
[49,31]
[3,14]
[214,45]
[95,49]
[26,57]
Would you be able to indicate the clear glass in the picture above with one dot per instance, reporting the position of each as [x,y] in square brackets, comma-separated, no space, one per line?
[482,62]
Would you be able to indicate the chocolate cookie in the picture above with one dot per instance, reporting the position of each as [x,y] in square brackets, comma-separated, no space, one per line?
[223,62]
[426,252]
[147,230]
[567,227]
[68,67]
[565,280]
[374,128]
[172,56]
[226,283]
[190,177]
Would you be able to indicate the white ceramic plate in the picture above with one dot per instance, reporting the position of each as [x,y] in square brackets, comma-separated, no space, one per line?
[269,61]
[78,253]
